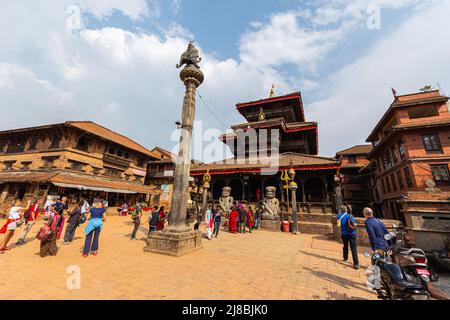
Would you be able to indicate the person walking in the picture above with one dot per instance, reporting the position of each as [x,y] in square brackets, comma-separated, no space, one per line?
[217,216]
[242,218]
[30,216]
[48,245]
[73,223]
[250,219]
[153,220]
[161,219]
[376,231]
[234,214]
[209,221]
[96,216]
[347,224]
[136,217]
[14,221]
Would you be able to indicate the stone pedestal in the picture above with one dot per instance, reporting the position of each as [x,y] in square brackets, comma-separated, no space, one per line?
[174,242]
[271,225]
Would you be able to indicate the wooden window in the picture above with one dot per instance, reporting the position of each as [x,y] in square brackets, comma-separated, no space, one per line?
[112,172]
[56,140]
[387,160]
[140,162]
[96,171]
[26,165]
[383,186]
[394,183]
[16,145]
[33,143]
[48,162]
[431,142]
[77,166]
[400,180]
[83,144]
[352,159]
[441,174]
[423,112]
[388,185]
[9,165]
[408,177]
[402,151]
[3,144]
[394,154]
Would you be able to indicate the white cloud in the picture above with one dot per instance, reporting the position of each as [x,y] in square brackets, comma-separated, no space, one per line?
[127,81]
[359,94]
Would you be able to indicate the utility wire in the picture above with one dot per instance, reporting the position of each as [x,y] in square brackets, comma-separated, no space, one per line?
[213,114]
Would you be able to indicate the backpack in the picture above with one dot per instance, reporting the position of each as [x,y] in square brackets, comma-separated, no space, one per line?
[351,226]
[339,221]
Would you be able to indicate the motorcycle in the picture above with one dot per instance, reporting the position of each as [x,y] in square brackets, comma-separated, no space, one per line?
[412,261]
[387,278]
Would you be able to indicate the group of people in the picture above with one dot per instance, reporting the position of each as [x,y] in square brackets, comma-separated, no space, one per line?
[54,221]
[240,219]
[376,230]
[156,220]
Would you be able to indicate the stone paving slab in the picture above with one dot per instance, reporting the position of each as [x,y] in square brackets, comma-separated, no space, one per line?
[261,265]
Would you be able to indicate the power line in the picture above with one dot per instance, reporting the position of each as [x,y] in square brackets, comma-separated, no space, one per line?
[213,114]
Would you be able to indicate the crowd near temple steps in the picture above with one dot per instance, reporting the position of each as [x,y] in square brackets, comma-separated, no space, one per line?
[65,179]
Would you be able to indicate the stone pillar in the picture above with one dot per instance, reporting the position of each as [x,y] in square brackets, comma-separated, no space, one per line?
[293,187]
[178,239]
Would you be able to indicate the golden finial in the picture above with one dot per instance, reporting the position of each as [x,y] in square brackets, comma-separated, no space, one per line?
[272,92]
[261,116]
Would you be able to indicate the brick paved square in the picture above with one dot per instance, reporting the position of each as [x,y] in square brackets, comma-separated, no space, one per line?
[261,265]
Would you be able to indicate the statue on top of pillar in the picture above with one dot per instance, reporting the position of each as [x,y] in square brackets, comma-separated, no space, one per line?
[226,200]
[271,205]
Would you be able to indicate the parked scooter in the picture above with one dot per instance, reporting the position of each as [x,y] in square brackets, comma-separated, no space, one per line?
[412,261]
[387,278]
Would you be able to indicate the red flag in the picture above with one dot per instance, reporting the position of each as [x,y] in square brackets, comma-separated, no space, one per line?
[394,92]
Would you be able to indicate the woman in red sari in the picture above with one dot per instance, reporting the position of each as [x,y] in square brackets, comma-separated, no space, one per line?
[250,220]
[233,220]
[162,219]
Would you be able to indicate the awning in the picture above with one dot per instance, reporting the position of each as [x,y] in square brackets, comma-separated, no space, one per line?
[81,187]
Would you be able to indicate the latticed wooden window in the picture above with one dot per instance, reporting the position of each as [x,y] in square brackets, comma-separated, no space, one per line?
[431,142]
[441,174]
[408,177]
[400,180]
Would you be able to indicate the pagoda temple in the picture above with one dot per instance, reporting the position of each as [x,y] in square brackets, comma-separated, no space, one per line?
[284,140]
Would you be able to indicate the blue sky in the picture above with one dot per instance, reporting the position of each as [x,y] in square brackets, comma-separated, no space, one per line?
[113,61]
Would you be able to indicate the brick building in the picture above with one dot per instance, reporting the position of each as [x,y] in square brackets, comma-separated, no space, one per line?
[76,159]
[354,184]
[160,174]
[411,149]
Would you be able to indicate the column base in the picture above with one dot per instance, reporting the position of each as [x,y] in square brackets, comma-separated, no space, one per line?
[174,242]
[270,225]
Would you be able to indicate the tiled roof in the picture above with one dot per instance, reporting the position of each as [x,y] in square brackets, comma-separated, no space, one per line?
[110,135]
[78,179]
[92,128]
[408,100]
[299,161]
[358,149]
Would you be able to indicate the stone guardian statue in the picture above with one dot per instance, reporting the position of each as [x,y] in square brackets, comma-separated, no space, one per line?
[271,205]
[226,201]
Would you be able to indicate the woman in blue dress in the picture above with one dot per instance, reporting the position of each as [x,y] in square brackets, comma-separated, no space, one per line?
[96,218]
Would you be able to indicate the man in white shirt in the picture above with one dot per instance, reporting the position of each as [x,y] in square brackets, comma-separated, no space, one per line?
[12,223]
